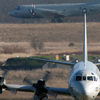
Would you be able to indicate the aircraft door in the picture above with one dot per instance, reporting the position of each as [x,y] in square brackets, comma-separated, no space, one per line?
[32,12]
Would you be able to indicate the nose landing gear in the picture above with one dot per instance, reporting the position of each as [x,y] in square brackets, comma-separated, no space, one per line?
[56,20]
[59,20]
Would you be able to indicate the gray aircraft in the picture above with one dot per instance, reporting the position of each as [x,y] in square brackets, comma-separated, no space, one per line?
[84,79]
[54,11]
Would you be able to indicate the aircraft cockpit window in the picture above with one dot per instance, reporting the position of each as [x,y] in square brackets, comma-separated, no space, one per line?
[95,79]
[90,78]
[84,78]
[78,78]
[18,8]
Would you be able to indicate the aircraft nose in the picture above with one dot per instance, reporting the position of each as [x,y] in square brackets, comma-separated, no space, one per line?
[85,90]
[10,13]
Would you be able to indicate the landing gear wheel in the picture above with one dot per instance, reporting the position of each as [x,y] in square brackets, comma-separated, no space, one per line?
[59,20]
[53,21]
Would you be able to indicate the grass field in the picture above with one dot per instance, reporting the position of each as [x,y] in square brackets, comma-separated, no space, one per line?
[56,38]
[64,32]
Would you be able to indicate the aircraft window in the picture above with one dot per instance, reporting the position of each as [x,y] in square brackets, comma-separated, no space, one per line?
[84,77]
[90,78]
[95,79]
[78,78]
[18,8]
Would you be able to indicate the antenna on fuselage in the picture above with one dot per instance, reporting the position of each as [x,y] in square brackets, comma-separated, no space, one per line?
[85,38]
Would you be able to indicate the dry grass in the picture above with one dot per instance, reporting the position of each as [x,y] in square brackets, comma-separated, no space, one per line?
[56,37]
[70,32]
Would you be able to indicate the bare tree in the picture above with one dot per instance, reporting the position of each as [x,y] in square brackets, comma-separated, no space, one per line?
[37,44]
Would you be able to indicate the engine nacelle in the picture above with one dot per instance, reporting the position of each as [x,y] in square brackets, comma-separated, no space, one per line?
[46,98]
[1,89]
[2,83]
[40,81]
[42,98]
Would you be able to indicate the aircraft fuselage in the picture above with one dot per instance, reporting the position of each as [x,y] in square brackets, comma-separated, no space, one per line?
[54,11]
[84,84]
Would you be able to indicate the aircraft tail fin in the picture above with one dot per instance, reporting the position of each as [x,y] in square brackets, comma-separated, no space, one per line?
[85,40]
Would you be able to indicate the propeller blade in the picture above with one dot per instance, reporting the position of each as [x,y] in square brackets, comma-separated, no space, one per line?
[3,64]
[46,76]
[28,81]
[54,95]
[6,71]
[35,97]
[14,91]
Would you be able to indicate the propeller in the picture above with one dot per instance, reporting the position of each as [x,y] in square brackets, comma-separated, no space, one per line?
[27,81]
[46,76]
[6,71]
[3,83]
[2,79]
[14,91]
[40,87]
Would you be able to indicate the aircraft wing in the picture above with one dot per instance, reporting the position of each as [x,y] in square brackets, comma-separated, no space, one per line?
[97,64]
[59,91]
[23,88]
[53,61]
[49,12]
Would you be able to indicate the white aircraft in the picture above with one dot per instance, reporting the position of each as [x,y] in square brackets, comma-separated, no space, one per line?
[84,79]
[54,11]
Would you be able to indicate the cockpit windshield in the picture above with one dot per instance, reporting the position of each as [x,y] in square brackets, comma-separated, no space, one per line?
[95,79]
[84,78]
[78,78]
[18,8]
[90,78]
